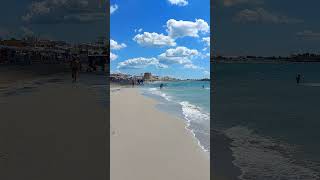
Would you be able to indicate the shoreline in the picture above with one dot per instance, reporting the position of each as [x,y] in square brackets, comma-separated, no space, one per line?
[162,107]
[157,136]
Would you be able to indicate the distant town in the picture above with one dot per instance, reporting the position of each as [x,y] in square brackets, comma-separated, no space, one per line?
[32,50]
[294,58]
[145,77]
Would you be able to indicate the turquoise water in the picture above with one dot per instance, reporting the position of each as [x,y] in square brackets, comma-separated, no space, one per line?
[273,122]
[189,100]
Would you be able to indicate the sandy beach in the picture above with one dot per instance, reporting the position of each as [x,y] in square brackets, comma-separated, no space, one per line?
[52,131]
[149,144]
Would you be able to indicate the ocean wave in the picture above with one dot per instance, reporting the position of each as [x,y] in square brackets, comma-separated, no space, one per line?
[194,117]
[193,114]
[156,91]
[267,159]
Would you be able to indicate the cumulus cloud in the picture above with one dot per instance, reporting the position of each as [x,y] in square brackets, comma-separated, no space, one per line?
[140,62]
[59,11]
[113,56]
[191,66]
[114,45]
[308,35]
[178,2]
[237,2]
[261,15]
[154,39]
[206,73]
[113,8]
[181,28]
[206,40]
[180,55]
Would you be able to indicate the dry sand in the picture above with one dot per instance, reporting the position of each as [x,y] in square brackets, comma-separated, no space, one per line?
[54,132]
[147,144]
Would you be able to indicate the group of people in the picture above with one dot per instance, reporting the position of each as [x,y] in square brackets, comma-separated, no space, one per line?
[137,82]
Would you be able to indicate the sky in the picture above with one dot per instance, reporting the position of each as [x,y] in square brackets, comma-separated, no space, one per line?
[164,37]
[69,20]
[266,27]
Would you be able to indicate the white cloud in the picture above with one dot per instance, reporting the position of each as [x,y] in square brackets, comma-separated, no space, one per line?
[180,55]
[181,52]
[113,8]
[191,66]
[114,45]
[206,40]
[181,28]
[138,30]
[206,73]
[178,2]
[261,15]
[140,62]
[113,56]
[154,39]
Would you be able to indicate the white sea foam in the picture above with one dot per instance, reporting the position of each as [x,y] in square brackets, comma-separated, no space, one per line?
[266,159]
[192,113]
[157,92]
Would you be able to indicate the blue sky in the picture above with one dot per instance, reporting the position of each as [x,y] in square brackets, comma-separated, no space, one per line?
[266,27]
[165,37]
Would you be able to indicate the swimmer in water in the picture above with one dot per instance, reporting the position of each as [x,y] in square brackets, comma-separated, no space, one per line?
[298,78]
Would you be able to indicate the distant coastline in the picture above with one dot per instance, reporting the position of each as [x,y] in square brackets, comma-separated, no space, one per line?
[147,77]
[294,58]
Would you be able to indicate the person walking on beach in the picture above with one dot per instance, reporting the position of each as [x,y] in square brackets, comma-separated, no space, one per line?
[298,77]
[75,67]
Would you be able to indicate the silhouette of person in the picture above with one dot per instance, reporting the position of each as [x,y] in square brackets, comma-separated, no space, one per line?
[298,78]
[75,67]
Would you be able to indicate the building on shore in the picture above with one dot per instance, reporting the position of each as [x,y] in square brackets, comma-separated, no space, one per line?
[147,76]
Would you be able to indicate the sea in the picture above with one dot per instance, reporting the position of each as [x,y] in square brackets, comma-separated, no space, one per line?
[188,100]
[272,123]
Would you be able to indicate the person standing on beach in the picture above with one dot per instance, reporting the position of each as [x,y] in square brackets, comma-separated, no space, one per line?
[75,67]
